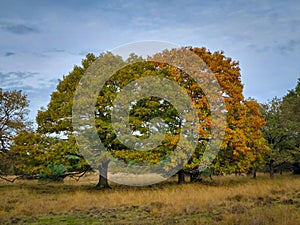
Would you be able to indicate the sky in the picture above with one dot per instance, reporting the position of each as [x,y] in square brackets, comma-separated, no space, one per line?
[41,41]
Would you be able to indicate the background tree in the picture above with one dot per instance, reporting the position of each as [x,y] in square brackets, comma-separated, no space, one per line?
[13,119]
[275,134]
[282,131]
[291,109]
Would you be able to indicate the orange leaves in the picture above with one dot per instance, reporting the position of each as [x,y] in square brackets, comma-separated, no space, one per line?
[243,138]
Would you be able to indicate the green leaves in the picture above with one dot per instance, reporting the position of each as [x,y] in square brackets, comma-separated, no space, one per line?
[282,130]
[55,172]
[46,157]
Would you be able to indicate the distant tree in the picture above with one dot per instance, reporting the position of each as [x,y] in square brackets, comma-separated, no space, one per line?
[276,135]
[282,131]
[291,110]
[13,119]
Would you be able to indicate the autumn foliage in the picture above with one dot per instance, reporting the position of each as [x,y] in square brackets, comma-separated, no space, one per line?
[243,146]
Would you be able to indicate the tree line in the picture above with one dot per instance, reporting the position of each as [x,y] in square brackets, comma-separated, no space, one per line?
[257,136]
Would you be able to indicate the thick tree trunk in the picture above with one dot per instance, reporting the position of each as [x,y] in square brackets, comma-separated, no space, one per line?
[103,182]
[181,177]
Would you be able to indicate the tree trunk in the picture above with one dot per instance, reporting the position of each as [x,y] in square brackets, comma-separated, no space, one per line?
[271,169]
[192,179]
[296,168]
[254,173]
[103,182]
[181,177]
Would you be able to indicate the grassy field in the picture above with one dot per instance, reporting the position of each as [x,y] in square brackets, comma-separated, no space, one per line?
[226,200]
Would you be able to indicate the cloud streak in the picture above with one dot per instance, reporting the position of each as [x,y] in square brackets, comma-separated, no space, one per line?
[30,81]
[15,80]
[20,29]
[289,47]
[9,54]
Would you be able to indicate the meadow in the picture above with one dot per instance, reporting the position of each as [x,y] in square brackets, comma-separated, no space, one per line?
[225,200]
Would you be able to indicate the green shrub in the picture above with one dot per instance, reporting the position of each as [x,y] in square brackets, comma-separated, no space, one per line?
[57,173]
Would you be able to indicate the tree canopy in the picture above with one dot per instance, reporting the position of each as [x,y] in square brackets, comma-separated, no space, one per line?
[282,131]
[53,145]
[13,119]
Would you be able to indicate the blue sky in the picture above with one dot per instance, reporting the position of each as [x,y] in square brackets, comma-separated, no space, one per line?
[40,41]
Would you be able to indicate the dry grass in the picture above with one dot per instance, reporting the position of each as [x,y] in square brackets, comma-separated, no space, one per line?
[227,200]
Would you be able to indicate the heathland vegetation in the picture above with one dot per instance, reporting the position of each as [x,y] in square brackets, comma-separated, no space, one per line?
[225,200]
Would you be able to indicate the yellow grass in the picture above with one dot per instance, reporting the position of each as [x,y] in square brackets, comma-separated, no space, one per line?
[227,200]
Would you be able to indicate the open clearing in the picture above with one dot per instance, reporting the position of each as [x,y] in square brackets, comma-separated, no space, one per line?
[225,200]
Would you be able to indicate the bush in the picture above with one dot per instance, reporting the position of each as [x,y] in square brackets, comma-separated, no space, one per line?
[57,173]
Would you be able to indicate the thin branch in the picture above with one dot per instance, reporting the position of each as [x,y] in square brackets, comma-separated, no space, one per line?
[77,178]
[77,175]
[10,180]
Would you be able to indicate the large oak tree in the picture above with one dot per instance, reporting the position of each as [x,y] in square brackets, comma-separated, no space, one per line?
[243,147]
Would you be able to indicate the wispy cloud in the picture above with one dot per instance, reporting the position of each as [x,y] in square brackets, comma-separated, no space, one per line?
[56,50]
[18,28]
[15,80]
[289,47]
[9,54]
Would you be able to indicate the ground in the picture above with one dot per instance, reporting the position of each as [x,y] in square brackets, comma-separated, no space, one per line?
[225,200]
